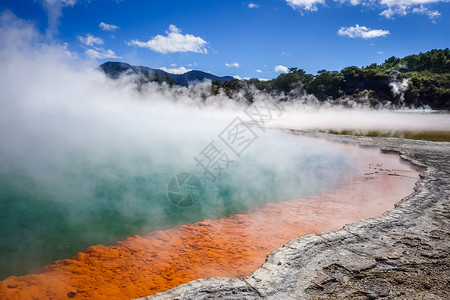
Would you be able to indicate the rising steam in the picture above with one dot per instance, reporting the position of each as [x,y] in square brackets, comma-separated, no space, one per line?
[86,159]
[399,88]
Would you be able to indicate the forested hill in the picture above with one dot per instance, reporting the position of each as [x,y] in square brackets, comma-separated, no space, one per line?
[434,61]
[412,81]
[419,80]
[115,69]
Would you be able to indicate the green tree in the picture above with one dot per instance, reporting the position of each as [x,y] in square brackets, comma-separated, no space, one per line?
[326,85]
[295,78]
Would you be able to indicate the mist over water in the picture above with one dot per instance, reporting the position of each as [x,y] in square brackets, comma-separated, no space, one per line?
[86,160]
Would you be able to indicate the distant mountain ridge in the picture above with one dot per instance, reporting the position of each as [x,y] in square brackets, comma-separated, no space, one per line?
[116,69]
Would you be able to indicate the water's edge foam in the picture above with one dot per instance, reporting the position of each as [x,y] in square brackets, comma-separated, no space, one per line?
[405,253]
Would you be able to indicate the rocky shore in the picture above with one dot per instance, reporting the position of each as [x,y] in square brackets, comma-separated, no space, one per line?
[404,254]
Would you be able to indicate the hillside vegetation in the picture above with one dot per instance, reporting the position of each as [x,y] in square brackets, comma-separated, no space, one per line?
[421,80]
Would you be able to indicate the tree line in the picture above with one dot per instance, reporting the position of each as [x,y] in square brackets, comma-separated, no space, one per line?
[427,74]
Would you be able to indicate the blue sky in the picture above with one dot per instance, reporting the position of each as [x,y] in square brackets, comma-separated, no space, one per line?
[255,39]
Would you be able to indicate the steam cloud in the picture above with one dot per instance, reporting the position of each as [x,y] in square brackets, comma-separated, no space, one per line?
[98,153]
[85,159]
[399,88]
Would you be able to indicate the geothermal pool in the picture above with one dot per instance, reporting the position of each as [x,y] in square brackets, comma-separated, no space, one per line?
[283,187]
[53,211]
[85,163]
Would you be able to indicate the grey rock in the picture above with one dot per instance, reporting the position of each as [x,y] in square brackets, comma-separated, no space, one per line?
[404,254]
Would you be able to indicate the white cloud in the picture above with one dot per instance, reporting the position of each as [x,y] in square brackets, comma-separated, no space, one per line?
[305,5]
[394,8]
[391,12]
[173,42]
[362,32]
[90,40]
[240,78]
[281,69]
[433,14]
[180,70]
[99,53]
[96,52]
[64,2]
[352,2]
[380,52]
[253,5]
[387,13]
[258,71]
[390,8]
[408,2]
[263,79]
[173,28]
[108,27]
[422,10]
[235,64]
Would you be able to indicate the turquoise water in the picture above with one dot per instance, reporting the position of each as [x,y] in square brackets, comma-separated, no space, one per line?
[61,207]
